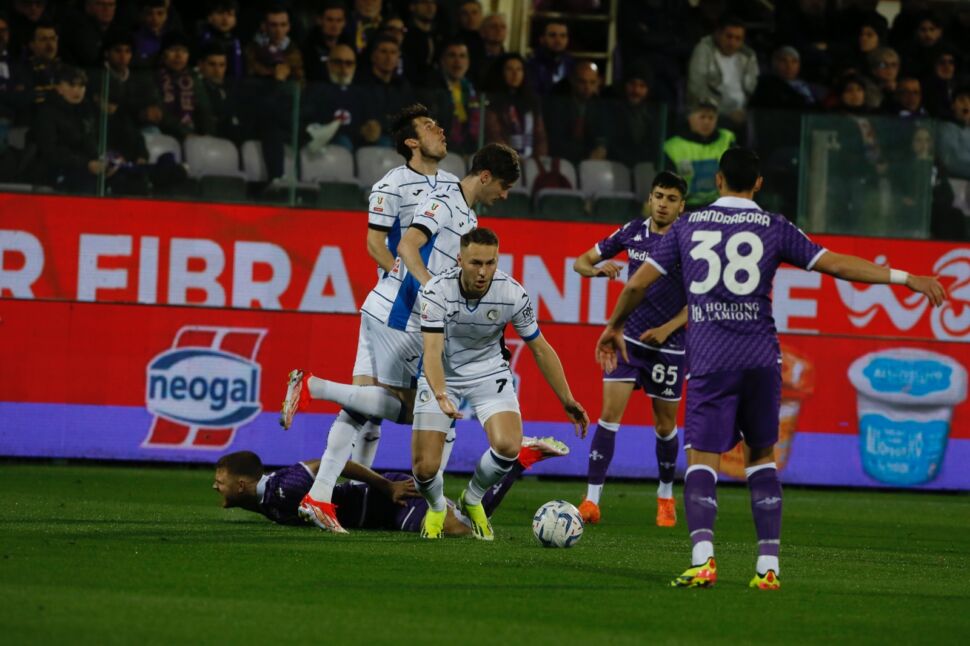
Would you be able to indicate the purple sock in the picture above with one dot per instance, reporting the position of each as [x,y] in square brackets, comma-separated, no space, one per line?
[601,452]
[667,456]
[765,491]
[493,497]
[700,502]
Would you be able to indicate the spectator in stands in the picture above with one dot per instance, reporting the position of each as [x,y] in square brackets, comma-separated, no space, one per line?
[422,43]
[870,34]
[153,21]
[339,99]
[494,31]
[514,116]
[42,63]
[570,112]
[454,101]
[82,42]
[364,23]
[394,27]
[694,154]
[627,131]
[550,63]
[331,21]
[722,67]
[126,95]
[905,22]
[907,100]
[954,137]
[25,16]
[222,95]
[470,18]
[783,89]
[926,43]
[883,71]
[185,105]
[809,27]
[939,86]
[272,54]
[219,29]
[654,32]
[388,91]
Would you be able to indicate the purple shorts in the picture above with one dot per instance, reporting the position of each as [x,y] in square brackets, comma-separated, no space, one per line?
[660,374]
[384,514]
[724,408]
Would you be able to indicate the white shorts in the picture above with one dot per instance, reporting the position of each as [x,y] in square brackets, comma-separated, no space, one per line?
[364,363]
[394,355]
[494,395]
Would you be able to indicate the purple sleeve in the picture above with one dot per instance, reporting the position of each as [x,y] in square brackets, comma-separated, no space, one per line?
[612,245]
[666,255]
[797,248]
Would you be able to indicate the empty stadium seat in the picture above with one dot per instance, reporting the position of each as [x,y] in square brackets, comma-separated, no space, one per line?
[454,164]
[212,156]
[332,163]
[531,171]
[598,176]
[159,144]
[561,204]
[643,174]
[373,162]
[254,165]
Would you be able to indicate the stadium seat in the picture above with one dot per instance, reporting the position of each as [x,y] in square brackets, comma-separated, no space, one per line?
[598,176]
[254,166]
[531,170]
[454,164]
[518,205]
[617,207]
[333,163]
[561,204]
[342,196]
[212,156]
[222,188]
[374,161]
[643,174]
[159,144]
[17,138]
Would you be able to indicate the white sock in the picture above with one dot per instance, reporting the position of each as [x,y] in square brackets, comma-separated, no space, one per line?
[491,468]
[766,563]
[433,491]
[665,489]
[593,493]
[340,445]
[365,447]
[372,401]
[446,450]
[702,551]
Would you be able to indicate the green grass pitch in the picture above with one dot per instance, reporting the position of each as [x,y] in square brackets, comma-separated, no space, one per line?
[102,555]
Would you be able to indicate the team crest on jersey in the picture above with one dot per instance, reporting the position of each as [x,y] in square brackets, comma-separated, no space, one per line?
[424,396]
[492,315]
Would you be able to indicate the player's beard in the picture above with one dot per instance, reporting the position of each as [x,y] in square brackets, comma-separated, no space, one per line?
[427,154]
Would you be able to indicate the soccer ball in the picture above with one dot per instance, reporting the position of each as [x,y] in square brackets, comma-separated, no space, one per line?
[557,524]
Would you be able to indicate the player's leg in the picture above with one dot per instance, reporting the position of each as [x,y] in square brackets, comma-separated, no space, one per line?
[616,395]
[665,426]
[430,431]
[758,416]
[534,449]
[504,431]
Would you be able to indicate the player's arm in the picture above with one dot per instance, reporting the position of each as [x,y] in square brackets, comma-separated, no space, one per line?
[659,335]
[859,270]
[434,370]
[551,368]
[377,248]
[585,265]
[409,249]
[397,491]
[611,341]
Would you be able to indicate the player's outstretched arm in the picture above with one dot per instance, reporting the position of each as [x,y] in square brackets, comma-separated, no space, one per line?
[377,249]
[551,368]
[434,372]
[585,265]
[859,270]
[611,341]
[410,251]
[659,335]
[397,491]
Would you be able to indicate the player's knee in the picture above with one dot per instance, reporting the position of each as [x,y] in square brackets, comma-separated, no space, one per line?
[665,427]
[508,448]
[425,467]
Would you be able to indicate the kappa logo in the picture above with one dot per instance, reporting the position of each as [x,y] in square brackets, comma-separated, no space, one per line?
[668,393]
[204,387]
[638,238]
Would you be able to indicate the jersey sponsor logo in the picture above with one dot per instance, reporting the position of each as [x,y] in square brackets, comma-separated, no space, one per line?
[204,387]
[528,314]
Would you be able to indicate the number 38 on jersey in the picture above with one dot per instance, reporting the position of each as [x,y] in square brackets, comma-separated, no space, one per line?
[741,274]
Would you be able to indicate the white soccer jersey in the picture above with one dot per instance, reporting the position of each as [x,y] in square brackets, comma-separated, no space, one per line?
[444,217]
[394,197]
[473,328]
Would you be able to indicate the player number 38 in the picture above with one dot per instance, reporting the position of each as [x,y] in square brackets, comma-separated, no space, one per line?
[738,264]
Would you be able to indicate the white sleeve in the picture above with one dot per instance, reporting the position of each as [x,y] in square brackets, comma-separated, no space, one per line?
[524,319]
[383,205]
[432,307]
[430,215]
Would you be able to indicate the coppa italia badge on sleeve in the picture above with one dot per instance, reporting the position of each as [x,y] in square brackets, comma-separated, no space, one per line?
[204,387]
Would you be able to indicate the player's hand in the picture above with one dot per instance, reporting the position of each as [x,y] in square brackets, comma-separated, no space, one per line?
[448,407]
[577,415]
[402,490]
[928,285]
[655,336]
[610,344]
[609,269]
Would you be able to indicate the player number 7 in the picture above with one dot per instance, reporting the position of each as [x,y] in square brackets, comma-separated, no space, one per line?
[501,383]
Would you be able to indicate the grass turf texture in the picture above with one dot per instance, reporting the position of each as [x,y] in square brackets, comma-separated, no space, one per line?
[101,554]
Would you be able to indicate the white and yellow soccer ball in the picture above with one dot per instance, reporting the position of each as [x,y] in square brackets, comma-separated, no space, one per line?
[557,524]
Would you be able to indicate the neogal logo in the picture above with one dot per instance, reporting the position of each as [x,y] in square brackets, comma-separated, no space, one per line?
[204,387]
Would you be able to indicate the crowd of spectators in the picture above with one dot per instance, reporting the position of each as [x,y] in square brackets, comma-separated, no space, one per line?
[726,71]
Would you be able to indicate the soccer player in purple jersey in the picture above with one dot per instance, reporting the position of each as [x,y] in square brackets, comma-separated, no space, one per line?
[728,253]
[657,348]
[241,482]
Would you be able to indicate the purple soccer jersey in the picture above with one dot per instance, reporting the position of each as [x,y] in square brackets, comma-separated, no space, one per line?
[727,254]
[664,299]
[283,490]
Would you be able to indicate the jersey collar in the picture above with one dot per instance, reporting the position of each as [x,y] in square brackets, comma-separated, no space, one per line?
[432,180]
[736,203]
[461,290]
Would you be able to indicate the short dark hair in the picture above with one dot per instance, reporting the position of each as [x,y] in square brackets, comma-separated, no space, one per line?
[402,127]
[554,21]
[741,168]
[498,159]
[668,179]
[275,8]
[451,42]
[242,463]
[114,37]
[482,236]
[71,74]
[220,6]
[331,4]
[380,39]
[43,24]
[963,90]
[213,48]
[730,21]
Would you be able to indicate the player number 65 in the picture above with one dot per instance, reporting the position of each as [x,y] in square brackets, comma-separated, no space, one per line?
[661,376]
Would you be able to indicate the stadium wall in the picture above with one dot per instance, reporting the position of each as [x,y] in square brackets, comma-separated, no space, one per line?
[139,330]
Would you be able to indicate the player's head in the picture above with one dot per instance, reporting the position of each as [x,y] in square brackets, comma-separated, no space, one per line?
[497,167]
[478,259]
[739,171]
[416,133]
[236,476]
[668,195]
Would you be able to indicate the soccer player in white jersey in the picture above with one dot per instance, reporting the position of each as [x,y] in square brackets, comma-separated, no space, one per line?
[428,245]
[728,254]
[464,312]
